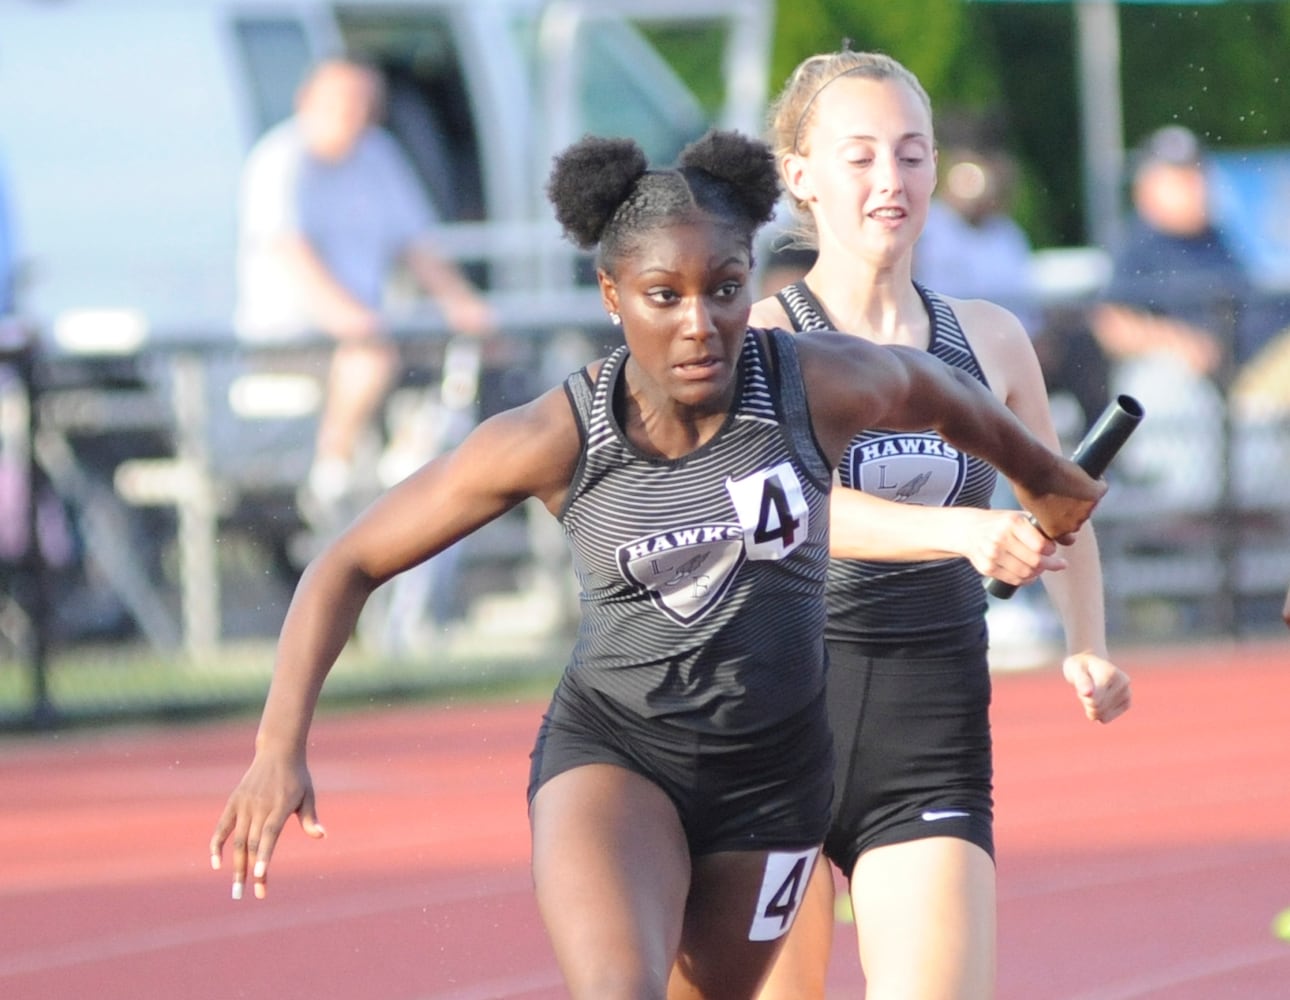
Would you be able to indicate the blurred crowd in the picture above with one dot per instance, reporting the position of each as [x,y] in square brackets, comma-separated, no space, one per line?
[331,210]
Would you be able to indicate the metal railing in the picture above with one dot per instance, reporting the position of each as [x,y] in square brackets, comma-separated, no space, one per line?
[194,453]
[1205,557]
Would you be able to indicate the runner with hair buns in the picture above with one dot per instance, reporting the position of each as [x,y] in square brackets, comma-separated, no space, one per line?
[912,535]
[681,779]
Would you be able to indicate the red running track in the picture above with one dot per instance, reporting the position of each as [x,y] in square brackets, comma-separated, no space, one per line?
[1139,861]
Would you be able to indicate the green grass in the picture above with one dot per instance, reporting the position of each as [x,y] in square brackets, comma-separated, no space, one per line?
[128,681]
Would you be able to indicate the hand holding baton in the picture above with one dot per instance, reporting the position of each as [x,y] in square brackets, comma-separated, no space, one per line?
[1093,455]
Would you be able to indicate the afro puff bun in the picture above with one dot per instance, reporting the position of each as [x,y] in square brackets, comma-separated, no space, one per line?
[589,181]
[746,165]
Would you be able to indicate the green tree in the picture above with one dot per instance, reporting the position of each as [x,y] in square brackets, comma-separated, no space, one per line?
[926,35]
[949,45]
[1222,70]
[1219,68]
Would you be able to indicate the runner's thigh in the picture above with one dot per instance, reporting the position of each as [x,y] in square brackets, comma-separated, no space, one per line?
[741,905]
[611,869]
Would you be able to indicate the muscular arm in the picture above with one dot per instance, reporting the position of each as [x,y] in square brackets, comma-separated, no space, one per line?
[443,502]
[854,385]
[873,528]
[1102,689]
[999,543]
[529,451]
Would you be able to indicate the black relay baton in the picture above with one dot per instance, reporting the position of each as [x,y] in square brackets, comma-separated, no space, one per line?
[1093,455]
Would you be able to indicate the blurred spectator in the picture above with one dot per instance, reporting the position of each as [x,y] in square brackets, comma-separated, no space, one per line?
[971,247]
[21,516]
[329,208]
[1175,285]
[1167,320]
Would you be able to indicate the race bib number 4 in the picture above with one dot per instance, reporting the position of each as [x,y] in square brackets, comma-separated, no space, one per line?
[783,887]
[772,511]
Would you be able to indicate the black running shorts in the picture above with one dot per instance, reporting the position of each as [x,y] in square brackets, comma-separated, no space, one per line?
[734,792]
[912,742]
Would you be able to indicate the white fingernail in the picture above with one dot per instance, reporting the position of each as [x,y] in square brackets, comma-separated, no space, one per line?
[215,862]
[237,890]
[260,868]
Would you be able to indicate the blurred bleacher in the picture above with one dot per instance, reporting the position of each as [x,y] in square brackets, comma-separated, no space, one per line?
[163,512]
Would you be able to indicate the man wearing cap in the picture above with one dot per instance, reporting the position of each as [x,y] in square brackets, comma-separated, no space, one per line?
[1175,283]
[1167,319]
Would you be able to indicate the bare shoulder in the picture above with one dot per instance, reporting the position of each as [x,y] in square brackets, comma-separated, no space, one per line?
[548,421]
[535,447]
[998,340]
[983,318]
[827,355]
[851,383]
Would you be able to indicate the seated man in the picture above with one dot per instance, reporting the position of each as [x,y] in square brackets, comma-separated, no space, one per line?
[329,208]
[1167,320]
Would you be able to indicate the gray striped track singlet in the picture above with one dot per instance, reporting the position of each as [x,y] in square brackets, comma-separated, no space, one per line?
[703,577]
[938,603]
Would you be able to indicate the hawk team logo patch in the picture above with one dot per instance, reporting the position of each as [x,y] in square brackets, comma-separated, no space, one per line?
[685,570]
[916,469]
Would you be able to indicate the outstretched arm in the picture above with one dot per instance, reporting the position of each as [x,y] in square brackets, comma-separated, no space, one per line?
[1001,544]
[1102,689]
[530,451]
[854,385]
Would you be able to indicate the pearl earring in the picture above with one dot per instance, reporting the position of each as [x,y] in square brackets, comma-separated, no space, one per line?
[615,319]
